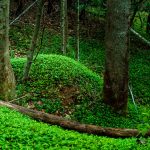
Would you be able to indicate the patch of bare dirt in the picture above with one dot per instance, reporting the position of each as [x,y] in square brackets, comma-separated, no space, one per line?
[69,95]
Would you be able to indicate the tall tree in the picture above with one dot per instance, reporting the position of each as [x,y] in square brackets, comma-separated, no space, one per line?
[7,79]
[78,30]
[116,62]
[64,25]
[148,24]
[34,39]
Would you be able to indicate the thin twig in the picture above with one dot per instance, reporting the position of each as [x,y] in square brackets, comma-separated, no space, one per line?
[19,98]
[23,13]
[143,39]
[132,96]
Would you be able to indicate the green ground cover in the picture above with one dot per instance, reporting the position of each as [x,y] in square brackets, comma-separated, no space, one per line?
[52,75]
[20,132]
[62,86]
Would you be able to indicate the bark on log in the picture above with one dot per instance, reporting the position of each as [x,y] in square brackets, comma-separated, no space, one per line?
[72,125]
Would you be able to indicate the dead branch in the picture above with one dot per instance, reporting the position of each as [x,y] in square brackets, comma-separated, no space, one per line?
[72,125]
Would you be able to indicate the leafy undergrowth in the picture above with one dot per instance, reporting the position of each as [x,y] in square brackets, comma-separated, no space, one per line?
[140,22]
[20,132]
[140,76]
[47,90]
[62,86]
[91,55]
[57,82]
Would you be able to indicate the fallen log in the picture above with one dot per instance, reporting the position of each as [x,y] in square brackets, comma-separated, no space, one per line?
[72,125]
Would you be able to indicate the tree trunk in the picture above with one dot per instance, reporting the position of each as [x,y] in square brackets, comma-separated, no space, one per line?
[64,25]
[34,39]
[78,30]
[116,62]
[7,79]
[148,24]
[72,125]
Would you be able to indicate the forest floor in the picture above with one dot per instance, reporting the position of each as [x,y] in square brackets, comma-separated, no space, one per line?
[61,101]
[20,132]
[62,86]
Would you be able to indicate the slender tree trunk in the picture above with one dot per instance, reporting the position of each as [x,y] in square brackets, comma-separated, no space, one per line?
[64,25]
[116,63]
[148,24]
[34,40]
[78,30]
[7,79]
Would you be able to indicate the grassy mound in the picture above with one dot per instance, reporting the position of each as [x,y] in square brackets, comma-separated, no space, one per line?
[58,81]
[62,86]
[20,132]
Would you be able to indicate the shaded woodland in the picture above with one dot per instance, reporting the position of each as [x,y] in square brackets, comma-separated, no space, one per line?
[82,65]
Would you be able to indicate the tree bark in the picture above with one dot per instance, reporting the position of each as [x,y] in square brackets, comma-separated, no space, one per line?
[72,125]
[148,24]
[78,31]
[7,79]
[34,39]
[116,61]
[64,25]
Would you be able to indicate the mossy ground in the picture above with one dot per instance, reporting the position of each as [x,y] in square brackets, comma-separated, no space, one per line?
[58,83]
[57,79]
[20,132]
[62,86]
